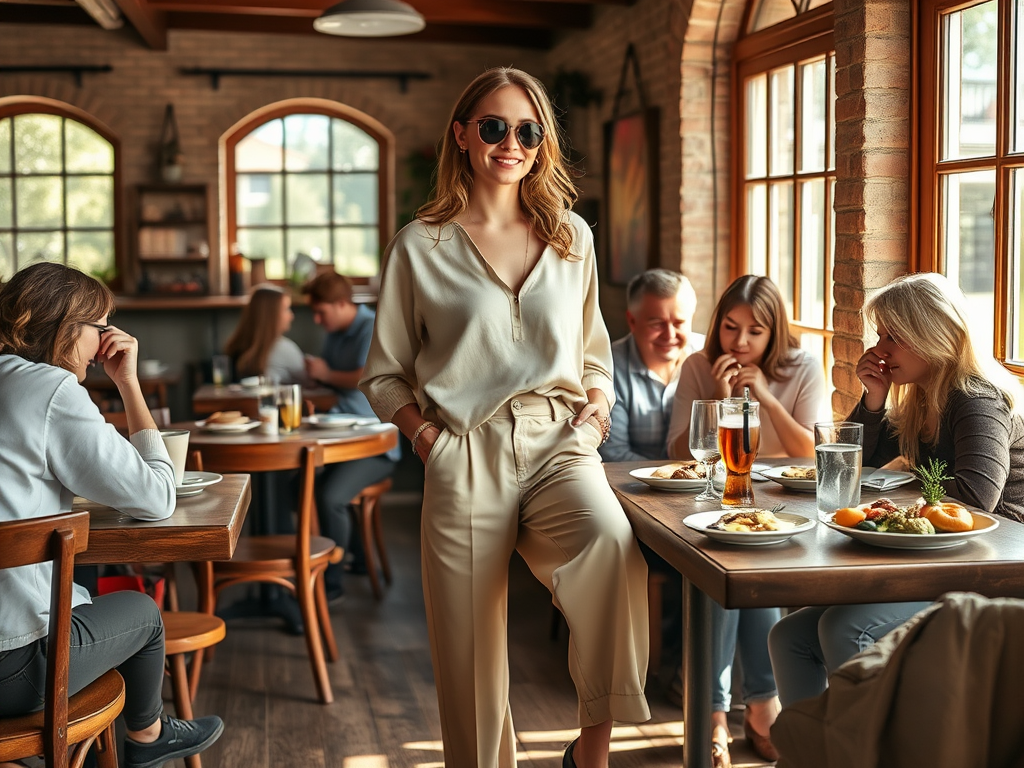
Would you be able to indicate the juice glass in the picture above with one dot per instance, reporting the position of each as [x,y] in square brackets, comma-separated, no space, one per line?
[739,437]
[289,401]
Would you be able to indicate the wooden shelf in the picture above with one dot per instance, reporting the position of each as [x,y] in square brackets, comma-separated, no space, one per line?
[173,259]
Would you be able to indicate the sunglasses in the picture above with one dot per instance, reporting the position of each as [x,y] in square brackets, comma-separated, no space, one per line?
[493,131]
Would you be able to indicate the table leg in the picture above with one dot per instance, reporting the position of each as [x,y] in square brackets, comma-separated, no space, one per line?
[697,677]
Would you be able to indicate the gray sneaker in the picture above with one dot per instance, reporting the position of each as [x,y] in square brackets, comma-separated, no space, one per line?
[178,738]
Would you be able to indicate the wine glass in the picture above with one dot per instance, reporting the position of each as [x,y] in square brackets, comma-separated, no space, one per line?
[704,442]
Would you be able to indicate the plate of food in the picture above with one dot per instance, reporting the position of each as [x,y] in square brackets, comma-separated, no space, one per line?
[227,421]
[677,476]
[794,478]
[196,482]
[748,526]
[339,420]
[883,523]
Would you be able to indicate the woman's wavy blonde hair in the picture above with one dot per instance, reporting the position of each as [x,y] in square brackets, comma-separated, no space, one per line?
[546,194]
[42,311]
[926,314]
[257,331]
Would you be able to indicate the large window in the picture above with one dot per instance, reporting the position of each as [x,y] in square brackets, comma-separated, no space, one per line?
[786,180]
[972,162]
[313,183]
[57,191]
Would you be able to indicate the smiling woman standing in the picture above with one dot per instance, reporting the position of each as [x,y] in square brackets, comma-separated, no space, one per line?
[490,354]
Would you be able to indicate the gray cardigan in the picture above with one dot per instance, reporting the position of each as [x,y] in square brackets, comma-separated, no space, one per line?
[54,445]
[981,441]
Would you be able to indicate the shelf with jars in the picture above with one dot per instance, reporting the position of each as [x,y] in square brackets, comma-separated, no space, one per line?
[172,239]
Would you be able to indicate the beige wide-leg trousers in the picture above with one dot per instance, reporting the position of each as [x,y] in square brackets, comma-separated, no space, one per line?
[527,480]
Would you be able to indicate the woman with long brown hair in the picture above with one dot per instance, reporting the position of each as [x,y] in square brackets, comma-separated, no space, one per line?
[490,354]
[750,345]
[55,445]
[259,346]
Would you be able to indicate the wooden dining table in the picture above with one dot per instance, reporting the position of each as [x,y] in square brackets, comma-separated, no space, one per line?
[205,526]
[209,398]
[818,567]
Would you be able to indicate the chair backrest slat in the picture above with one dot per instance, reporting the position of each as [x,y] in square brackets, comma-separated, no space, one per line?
[56,538]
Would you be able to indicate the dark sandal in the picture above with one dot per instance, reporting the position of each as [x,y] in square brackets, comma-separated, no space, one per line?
[762,745]
[720,757]
[567,760]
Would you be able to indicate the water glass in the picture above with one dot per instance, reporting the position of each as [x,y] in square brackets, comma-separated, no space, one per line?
[220,370]
[739,438]
[289,402]
[838,452]
[268,406]
[704,443]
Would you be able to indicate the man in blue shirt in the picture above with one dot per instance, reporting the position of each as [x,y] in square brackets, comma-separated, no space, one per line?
[349,330]
[659,311]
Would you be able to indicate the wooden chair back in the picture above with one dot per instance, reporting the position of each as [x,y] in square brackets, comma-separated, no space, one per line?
[162,417]
[57,538]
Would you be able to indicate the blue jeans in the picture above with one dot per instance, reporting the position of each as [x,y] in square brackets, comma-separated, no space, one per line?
[122,631]
[749,627]
[809,645]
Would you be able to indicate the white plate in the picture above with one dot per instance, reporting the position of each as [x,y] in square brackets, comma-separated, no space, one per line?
[667,484]
[194,482]
[889,478]
[243,426]
[339,421]
[757,472]
[793,483]
[982,524]
[700,521]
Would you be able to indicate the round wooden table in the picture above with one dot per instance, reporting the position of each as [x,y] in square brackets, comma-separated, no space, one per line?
[234,397]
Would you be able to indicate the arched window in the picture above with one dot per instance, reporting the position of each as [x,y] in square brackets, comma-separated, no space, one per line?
[310,177]
[785,177]
[972,162]
[58,188]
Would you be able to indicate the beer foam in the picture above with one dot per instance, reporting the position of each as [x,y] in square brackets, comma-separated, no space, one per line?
[735,421]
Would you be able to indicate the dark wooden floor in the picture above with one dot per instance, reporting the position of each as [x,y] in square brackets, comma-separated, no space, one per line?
[385,711]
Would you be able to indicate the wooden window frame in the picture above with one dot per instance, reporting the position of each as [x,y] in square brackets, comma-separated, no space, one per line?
[931,168]
[376,130]
[27,105]
[809,35]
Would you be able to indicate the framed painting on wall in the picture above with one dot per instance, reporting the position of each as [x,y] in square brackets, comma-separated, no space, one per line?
[631,195]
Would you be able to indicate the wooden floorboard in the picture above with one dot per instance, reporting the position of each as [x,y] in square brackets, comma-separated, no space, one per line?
[385,711]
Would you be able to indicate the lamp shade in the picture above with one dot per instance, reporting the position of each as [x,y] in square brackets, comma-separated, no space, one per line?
[370,18]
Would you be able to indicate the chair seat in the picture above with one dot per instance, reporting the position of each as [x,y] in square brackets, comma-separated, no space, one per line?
[89,711]
[274,553]
[186,631]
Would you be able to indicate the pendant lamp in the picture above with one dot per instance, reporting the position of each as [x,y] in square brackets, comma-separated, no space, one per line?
[370,18]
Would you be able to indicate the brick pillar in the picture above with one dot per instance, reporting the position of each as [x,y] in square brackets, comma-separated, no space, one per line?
[872,206]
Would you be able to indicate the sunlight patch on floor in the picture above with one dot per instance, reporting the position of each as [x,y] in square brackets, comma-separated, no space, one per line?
[625,738]
[365,761]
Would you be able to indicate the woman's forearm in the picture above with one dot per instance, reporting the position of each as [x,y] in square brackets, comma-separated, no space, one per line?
[796,439]
[136,408]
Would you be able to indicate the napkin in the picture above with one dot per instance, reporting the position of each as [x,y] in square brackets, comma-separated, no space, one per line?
[885,479]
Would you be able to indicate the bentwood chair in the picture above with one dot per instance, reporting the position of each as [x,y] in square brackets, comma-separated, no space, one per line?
[88,716]
[371,528]
[294,561]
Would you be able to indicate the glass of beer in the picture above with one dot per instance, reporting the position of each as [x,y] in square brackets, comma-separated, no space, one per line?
[289,402]
[739,437]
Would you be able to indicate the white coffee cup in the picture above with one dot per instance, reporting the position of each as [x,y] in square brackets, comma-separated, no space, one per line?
[176,442]
[149,367]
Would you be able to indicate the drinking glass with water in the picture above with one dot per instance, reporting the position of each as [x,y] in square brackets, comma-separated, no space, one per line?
[838,451]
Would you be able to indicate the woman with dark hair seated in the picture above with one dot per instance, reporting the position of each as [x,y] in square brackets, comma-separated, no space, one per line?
[55,445]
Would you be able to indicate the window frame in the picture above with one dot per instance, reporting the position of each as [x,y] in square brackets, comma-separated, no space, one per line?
[807,36]
[931,168]
[12,106]
[385,168]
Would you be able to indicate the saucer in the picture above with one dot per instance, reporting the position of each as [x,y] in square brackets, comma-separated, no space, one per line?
[193,483]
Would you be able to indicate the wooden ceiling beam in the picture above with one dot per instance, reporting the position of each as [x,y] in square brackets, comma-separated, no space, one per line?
[149,22]
[540,39]
[521,13]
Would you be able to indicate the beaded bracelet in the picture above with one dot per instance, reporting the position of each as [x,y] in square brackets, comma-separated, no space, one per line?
[419,431]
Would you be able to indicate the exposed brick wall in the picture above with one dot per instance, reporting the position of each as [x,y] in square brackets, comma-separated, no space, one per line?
[131,99]
[872,206]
